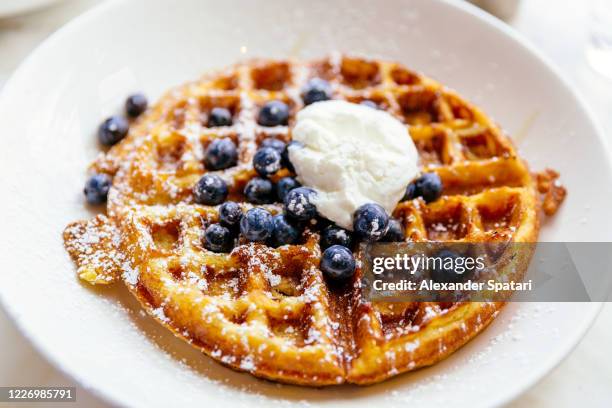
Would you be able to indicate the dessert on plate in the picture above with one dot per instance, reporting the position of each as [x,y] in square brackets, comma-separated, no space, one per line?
[236,204]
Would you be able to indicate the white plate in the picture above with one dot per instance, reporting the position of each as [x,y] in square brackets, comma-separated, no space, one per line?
[51,107]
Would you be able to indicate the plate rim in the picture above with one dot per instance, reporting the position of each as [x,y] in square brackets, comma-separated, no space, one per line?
[493,23]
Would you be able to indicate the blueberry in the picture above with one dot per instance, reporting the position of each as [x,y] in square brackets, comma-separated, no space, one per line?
[274,143]
[259,191]
[221,154]
[219,117]
[370,222]
[316,90]
[395,232]
[285,162]
[444,271]
[285,185]
[273,113]
[218,238]
[410,193]
[428,186]
[369,104]
[230,213]
[112,130]
[266,161]
[299,203]
[135,105]
[285,232]
[210,190]
[334,235]
[338,263]
[96,188]
[257,225]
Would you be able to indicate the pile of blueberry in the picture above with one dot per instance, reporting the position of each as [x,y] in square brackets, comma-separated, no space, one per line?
[111,132]
[371,222]
[257,224]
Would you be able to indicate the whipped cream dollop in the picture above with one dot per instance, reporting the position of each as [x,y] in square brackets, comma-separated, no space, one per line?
[352,155]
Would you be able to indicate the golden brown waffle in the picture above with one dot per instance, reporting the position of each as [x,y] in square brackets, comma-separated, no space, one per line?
[270,311]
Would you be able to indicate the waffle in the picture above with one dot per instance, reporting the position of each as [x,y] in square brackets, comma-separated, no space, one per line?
[270,311]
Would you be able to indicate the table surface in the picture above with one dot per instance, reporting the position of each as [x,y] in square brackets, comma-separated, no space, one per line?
[586,375]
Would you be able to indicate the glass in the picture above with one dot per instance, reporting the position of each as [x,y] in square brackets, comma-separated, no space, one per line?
[503,9]
[599,48]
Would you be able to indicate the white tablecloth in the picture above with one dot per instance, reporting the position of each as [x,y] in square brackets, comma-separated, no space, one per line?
[558,27]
